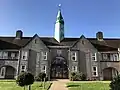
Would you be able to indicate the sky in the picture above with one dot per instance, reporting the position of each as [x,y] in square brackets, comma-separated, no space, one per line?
[80,16]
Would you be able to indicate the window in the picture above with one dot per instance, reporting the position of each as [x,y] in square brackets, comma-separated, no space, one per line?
[94,57]
[83,42]
[73,56]
[74,68]
[24,55]
[105,56]
[44,69]
[12,55]
[1,54]
[5,55]
[35,41]
[115,57]
[59,52]
[2,71]
[44,55]
[94,71]
[23,68]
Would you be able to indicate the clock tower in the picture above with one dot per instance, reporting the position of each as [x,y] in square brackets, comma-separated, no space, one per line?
[59,26]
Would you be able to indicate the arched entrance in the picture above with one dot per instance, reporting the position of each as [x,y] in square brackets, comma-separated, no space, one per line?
[109,73]
[8,72]
[59,68]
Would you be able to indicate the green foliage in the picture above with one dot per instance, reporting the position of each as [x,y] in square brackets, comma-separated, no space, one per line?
[75,76]
[83,77]
[115,83]
[24,79]
[40,77]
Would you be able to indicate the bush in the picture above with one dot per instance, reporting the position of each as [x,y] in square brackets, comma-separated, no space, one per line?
[75,76]
[25,79]
[83,77]
[40,77]
[115,83]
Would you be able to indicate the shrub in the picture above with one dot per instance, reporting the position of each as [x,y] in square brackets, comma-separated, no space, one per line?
[25,79]
[83,77]
[75,76]
[40,77]
[115,83]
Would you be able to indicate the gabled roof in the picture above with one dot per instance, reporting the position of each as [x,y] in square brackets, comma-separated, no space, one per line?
[7,45]
[106,44]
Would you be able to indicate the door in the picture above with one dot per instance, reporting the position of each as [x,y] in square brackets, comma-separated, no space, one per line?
[59,68]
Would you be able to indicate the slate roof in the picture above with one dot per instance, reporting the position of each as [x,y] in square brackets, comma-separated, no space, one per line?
[108,44]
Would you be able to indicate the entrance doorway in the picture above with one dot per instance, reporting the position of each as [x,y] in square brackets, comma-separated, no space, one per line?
[109,73]
[59,68]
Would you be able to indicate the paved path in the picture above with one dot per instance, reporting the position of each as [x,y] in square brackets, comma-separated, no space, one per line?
[59,84]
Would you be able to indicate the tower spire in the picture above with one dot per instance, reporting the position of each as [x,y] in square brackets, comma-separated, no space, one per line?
[59,26]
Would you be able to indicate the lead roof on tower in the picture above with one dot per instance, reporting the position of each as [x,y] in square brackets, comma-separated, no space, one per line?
[59,16]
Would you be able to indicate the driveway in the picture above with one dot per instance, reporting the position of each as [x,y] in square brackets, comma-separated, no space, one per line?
[59,84]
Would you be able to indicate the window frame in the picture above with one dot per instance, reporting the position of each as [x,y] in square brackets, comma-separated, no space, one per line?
[5,55]
[45,69]
[74,68]
[74,55]
[24,54]
[13,55]
[44,55]
[23,70]
[2,71]
[105,56]
[95,71]
[94,55]
[1,56]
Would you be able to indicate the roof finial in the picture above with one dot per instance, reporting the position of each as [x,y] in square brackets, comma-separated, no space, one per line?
[59,6]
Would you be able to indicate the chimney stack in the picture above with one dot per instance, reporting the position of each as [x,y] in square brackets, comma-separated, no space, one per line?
[19,34]
[99,36]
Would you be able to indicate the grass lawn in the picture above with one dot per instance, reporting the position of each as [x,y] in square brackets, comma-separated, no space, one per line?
[88,85]
[11,85]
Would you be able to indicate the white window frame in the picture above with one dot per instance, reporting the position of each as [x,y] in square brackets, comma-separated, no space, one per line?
[1,54]
[44,54]
[5,55]
[105,56]
[12,55]
[94,55]
[24,68]
[73,54]
[2,71]
[74,69]
[44,70]
[96,71]
[24,54]
[115,57]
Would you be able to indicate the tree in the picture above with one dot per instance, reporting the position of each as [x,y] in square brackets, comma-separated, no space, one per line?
[40,77]
[115,83]
[25,79]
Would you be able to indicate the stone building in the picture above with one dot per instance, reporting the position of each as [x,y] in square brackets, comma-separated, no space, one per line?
[58,56]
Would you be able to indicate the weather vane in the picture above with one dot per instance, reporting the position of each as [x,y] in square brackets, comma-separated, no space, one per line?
[59,6]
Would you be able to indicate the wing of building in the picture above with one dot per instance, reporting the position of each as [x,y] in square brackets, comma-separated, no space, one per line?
[58,56]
